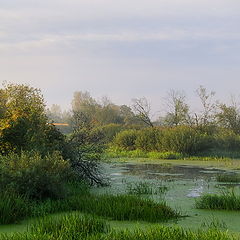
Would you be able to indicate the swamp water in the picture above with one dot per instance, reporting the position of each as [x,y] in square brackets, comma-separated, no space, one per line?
[184,183]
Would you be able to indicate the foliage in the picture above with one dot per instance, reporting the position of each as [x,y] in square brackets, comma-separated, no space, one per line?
[98,230]
[23,122]
[126,139]
[69,226]
[13,207]
[33,175]
[125,207]
[110,131]
[146,188]
[148,138]
[226,201]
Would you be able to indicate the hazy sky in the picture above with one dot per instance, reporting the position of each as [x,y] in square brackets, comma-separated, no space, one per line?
[121,48]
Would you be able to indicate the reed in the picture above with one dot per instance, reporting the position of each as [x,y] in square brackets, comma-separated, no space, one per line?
[225,201]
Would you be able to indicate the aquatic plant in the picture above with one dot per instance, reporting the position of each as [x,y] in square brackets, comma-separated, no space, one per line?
[146,188]
[225,201]
[124,207]
[69,226]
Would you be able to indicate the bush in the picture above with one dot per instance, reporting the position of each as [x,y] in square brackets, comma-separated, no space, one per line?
[147,139]
[110,131]
[126,139]
[184,140]
[35,176]
[227,140]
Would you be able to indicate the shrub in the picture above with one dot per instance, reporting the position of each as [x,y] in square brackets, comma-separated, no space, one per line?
[126,139]
[184,140]
[147,139]
[110,131]
[35,176]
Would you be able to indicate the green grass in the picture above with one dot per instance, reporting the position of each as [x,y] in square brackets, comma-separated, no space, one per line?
[226,201]
[13,207]
[165,233]
[146,188]
[73,226]
[233,178]
[116,152]
[124,208]
[69,226]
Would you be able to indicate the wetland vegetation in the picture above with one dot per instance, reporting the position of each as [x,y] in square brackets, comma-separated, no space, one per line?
[113,173]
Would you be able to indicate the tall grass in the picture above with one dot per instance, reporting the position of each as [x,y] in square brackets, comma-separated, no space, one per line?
[13,207]
[124,207]
[73,227]
[146,188]
[116,152]
[69,226]
[226,201]
[165,233]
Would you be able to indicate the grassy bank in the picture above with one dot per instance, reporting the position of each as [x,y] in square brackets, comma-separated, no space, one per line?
[74,226]
[120,207]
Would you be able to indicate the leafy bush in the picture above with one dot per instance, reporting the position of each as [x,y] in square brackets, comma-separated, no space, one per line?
[126,139]
[184,140]
[35,176]
[110,131]
[227,140]
[147,139]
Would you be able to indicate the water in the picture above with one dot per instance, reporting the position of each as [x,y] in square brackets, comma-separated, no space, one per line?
[185,183]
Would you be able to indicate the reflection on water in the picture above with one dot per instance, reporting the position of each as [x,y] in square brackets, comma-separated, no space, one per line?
[166,172]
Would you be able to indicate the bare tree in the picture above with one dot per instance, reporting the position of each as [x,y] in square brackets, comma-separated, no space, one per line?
[142,108]
[208,105]
[178,112]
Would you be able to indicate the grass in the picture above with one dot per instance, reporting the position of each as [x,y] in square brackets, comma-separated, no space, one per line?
[226,201]
[146,188]
[13,207]
[70,226]
[124,208]
[233,178]
[82,228]
[165,233]
[119,153]
[116,152]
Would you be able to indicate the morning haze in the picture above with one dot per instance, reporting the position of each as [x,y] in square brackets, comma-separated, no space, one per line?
[121,49]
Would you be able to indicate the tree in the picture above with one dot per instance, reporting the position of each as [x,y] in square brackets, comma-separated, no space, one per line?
[229,117]
[207,115]
[178,113]
[23,122]
[142,108]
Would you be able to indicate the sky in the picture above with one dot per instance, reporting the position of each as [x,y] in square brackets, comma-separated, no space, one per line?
[121,49]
